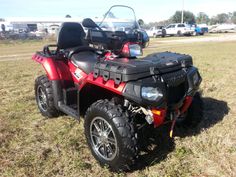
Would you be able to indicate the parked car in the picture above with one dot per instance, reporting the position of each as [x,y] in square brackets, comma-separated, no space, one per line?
[178,29]
[155,31]
[21,36]
[223,28]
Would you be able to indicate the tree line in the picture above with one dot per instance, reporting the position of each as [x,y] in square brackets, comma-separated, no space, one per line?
[201,18]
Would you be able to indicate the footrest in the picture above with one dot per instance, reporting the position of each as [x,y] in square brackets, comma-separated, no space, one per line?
[69,111]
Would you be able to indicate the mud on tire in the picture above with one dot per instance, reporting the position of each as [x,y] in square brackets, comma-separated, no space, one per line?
[121,130]
[44,97]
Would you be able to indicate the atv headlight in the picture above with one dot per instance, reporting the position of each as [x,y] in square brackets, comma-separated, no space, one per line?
[151,93]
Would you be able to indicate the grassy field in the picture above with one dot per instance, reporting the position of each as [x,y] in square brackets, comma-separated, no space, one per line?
[33,146]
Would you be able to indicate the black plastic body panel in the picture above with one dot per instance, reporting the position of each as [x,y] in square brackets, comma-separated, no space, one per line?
[191,86]
[132,91]
[70,96]
[113,40]
[123,69]
[175,86]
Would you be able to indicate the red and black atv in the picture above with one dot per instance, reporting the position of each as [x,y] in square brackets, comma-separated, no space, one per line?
[97,75]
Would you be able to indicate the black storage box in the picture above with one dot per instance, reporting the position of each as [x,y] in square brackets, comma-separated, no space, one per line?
[123,69]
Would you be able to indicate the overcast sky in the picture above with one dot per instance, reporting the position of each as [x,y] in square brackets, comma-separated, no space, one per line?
[149,10]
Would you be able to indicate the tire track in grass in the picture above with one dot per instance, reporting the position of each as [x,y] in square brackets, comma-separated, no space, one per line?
[15,57]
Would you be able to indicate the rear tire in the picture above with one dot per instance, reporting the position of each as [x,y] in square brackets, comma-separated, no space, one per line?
[117,149]
[179,33]
[44,97]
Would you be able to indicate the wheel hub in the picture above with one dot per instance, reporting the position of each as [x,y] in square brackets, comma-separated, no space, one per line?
[103,138]
[42,98]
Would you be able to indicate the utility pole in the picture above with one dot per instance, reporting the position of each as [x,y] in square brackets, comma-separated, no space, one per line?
[182,17]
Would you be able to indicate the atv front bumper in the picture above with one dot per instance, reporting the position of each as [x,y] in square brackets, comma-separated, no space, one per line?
[173,87]
[177,89]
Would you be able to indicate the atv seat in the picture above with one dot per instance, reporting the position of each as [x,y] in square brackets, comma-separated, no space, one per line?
[85,60]
[72,40]
[70,35]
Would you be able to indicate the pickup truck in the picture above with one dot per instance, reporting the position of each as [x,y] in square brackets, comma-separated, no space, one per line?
[178,29]
[200,29]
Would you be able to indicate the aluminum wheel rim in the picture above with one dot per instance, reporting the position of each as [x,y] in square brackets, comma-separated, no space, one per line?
[42,98]
[103,138]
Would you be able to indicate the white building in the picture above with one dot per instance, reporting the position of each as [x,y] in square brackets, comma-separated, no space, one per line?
[51,25]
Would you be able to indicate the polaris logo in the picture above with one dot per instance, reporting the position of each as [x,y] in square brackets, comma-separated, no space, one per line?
[78,74]
[169,64]
[172,63]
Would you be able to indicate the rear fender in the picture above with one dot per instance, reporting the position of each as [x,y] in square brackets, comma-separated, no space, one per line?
[56,70]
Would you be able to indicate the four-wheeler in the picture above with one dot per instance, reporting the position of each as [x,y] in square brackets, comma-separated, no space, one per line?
[101,77]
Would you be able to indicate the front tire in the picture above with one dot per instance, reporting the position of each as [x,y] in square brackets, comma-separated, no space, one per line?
[194,114]
[44,97]
[110,135]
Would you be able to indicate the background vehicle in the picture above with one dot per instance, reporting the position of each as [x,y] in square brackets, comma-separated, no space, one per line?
[5,27]
[99,77]
[223,28]
[201,29]
[178,29]
[155,31]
